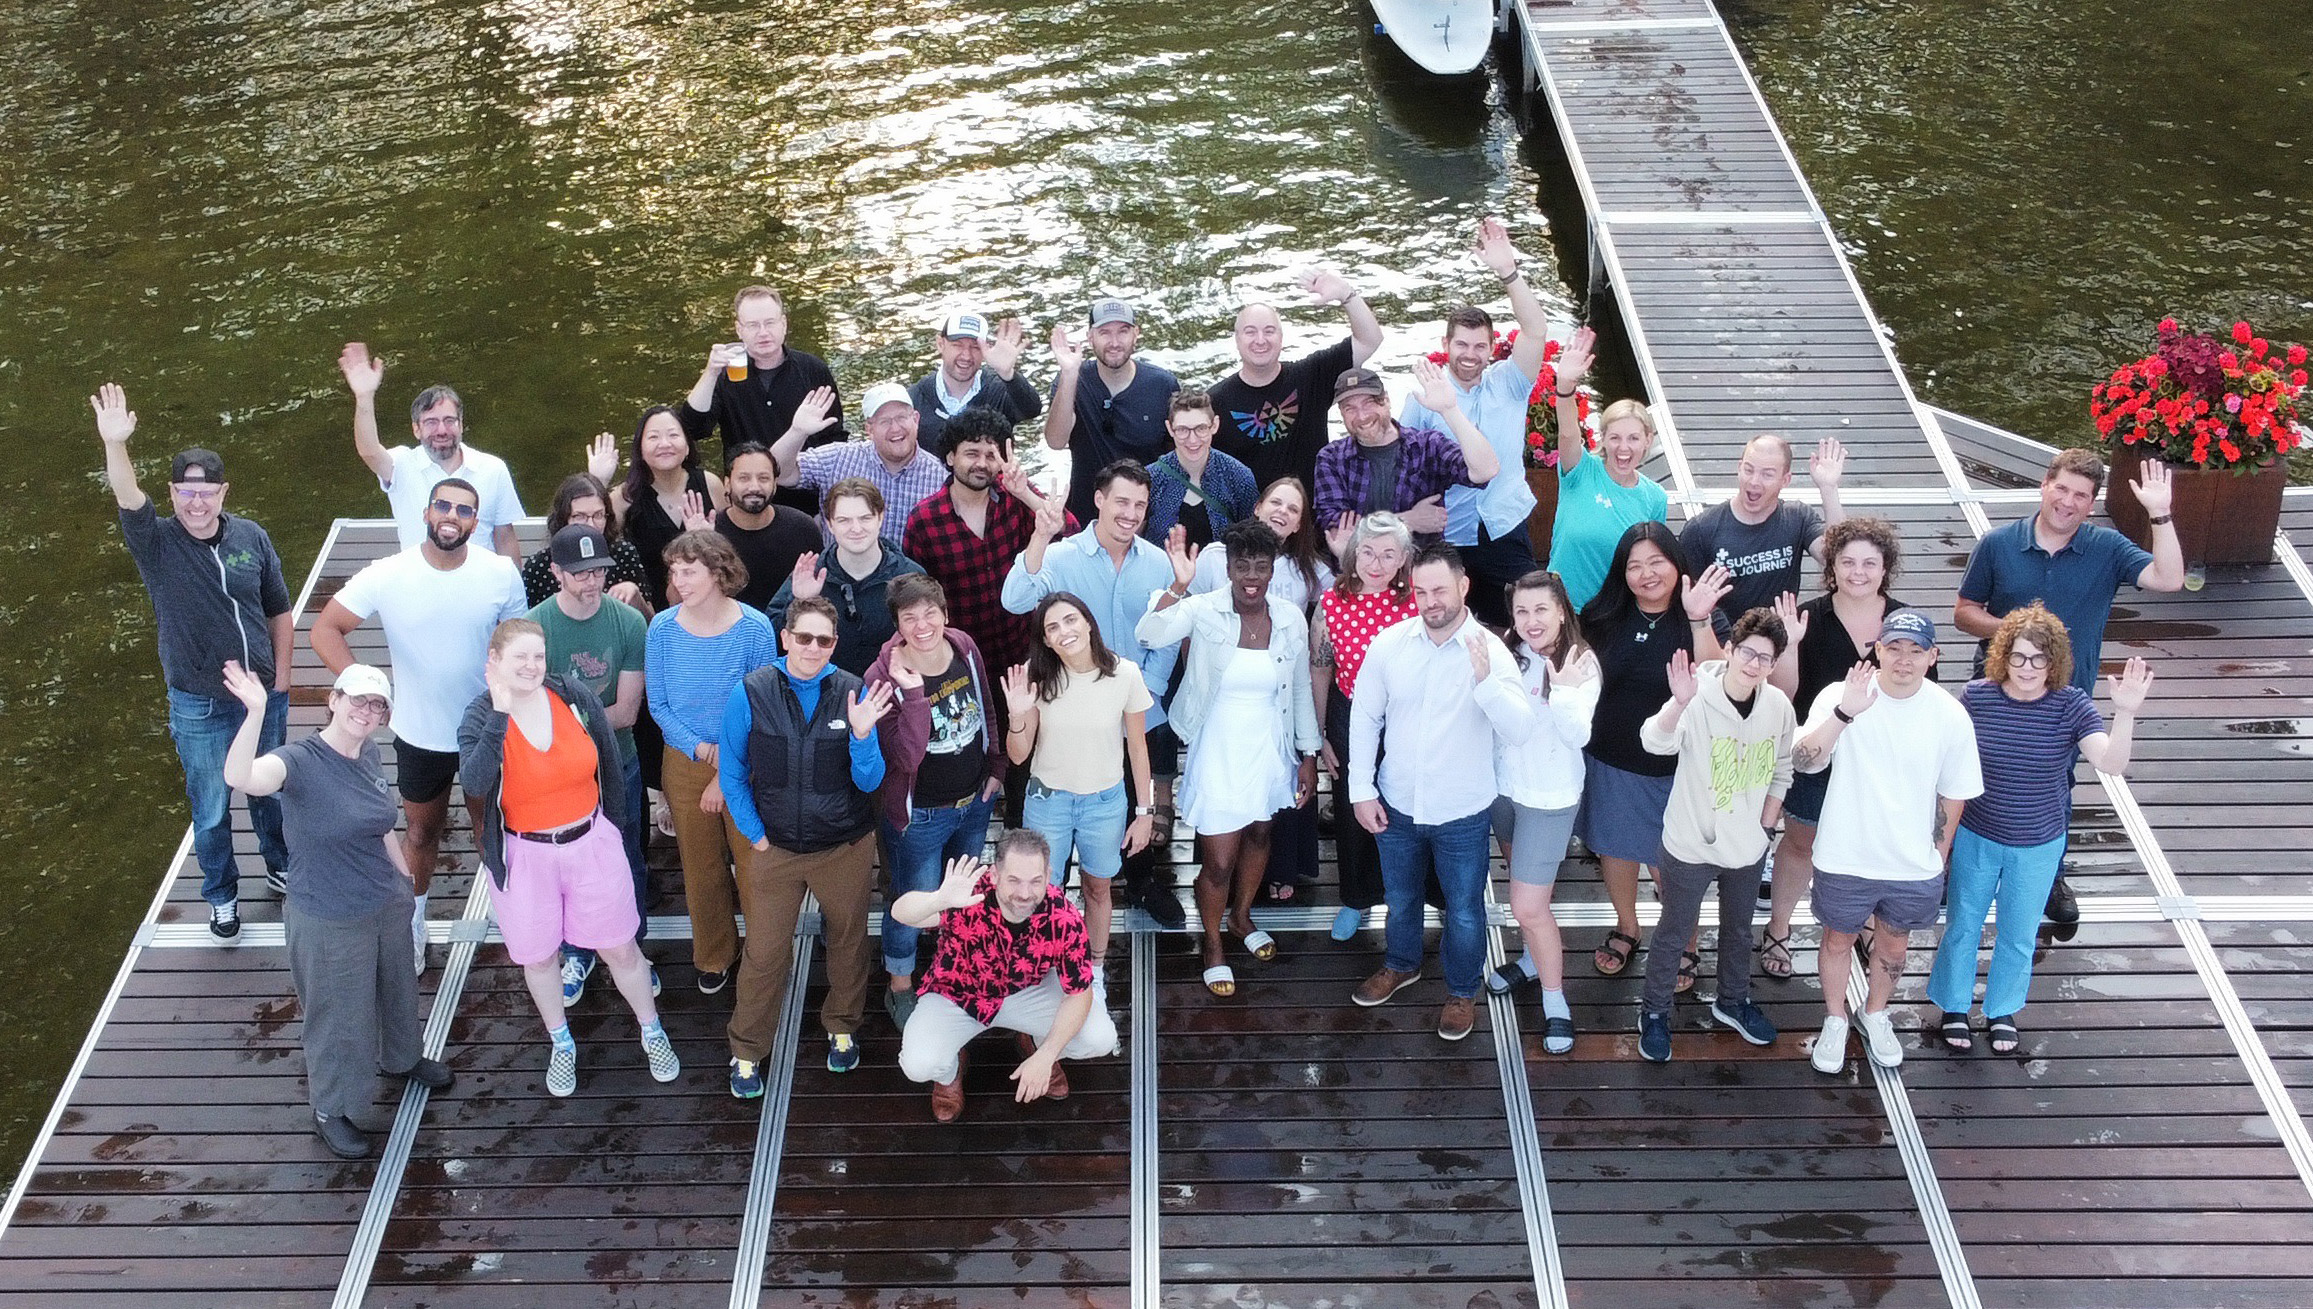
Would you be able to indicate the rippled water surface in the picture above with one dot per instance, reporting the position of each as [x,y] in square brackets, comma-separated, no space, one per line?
[548,205]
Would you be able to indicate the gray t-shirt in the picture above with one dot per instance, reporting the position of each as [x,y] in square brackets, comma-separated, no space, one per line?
[1766,560]
[335,814]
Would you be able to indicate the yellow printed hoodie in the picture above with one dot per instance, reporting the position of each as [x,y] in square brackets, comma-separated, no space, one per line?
[1729,764]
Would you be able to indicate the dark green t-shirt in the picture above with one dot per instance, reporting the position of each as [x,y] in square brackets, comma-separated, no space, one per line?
[595,651]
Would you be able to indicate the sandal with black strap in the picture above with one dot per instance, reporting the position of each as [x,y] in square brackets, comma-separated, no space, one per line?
[1954,1033]
[1610,959]
[1690,968]
[1775,956]
[2005,1038]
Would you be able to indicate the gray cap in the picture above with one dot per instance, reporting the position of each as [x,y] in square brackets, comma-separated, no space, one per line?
[1112,310]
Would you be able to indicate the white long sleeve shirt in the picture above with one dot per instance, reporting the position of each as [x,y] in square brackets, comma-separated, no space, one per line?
[1545,771]
[1433,725]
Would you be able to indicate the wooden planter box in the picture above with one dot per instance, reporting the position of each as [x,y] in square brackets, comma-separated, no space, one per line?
[2223,516]
[1543,482]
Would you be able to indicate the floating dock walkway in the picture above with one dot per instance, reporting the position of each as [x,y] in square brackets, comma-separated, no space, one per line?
[1284,1148]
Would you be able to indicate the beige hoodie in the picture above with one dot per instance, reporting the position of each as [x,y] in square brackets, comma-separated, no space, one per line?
[1728,766]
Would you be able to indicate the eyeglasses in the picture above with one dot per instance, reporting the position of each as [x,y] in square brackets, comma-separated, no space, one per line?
[892,422]
[812,639]
[1183,431]
[590,518]
[2022,660]
[374,706]
[440,424]
[442,506]
[760,324]
[1751,656]
[200,494]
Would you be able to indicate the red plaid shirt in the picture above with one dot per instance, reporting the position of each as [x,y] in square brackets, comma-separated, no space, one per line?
[983,960]
[972,567]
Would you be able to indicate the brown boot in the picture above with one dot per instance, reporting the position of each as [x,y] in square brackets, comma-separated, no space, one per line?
[1057,1087]
[948,1097]
[1382,985]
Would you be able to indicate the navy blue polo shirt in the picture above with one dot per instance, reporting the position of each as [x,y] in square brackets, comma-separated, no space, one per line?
[2077,583]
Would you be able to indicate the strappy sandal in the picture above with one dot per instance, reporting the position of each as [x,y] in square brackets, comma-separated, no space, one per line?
[1775,956]
[1221,981]
[2003,1033]
[1690,968]
[1611,960]
[1954,1033]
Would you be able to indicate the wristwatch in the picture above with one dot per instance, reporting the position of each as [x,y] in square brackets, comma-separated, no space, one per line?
[1143,810]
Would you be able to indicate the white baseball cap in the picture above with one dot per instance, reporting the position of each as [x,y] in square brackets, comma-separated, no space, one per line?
[881,394]
[360,680]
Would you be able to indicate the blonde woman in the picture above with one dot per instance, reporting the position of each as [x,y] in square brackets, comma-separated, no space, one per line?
[1601,495]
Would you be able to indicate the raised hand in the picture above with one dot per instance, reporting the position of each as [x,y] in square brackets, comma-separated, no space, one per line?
[362,373]
[1436,392]
[1860,690]
[725,353]
[1182,556]
[114,419]
[1794,619]
[1002,353]
[501,692]
[1581,666]
[1326,286]
[246,688]
[1051,520]
[1682,678]
[1827,465]
[1019,691]
[1575,358]
[960,887]
[1494,249]
[904,676]
[2129,686]
[815,414]
[1337,537]
[1066,354]
[1427,517]
[865,714]
[695,517]
[1481,663]
[2154,490]
[1702,594]
[602,458]
[807,578]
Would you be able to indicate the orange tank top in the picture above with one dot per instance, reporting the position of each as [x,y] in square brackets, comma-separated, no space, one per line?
[542,790]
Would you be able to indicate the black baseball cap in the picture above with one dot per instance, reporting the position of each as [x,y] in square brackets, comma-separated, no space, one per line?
[577,548]
[196,460]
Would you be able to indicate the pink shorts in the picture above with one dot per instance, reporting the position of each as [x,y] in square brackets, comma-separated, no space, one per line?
[581,893]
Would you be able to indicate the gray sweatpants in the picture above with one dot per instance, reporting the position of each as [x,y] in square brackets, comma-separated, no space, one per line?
[357,981]
[938,1029]
[1682,886]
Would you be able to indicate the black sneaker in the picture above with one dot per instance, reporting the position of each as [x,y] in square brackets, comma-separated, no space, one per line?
[2063,910]
[225,924]
[709,983]
[432,1074]
[278,881]
[344,1140]
[1160,904]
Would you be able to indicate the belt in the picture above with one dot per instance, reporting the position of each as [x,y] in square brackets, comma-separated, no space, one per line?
[970,798]
[561,836]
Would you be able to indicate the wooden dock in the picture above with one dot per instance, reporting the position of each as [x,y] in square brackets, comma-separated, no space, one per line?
[1284,1148]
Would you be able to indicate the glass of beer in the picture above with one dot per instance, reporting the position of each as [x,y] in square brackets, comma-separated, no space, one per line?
[735,363]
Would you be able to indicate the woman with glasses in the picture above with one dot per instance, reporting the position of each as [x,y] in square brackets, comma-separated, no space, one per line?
[667,491]
[1193,485]
[581,499]
[2031,723]
[856,578]
[347,918]
[1374,591]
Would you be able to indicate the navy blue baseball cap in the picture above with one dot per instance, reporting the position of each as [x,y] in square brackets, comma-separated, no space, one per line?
[1909,625]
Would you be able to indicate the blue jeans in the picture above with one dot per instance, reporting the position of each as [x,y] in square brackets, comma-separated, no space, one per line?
[1092,825]
[1457,850]
[204,729]
[2019,877]
[916,860]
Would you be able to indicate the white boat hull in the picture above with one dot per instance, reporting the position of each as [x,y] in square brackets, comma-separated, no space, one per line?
[1443,36]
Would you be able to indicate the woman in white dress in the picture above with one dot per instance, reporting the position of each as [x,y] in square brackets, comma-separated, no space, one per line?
[1244,709]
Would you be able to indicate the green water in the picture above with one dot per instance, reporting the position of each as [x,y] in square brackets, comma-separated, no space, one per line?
[548,205]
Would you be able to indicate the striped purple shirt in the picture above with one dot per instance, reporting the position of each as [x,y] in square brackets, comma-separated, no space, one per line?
[2027,748]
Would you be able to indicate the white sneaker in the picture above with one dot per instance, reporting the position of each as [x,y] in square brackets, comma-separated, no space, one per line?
[1830,1056]
[1879,1038]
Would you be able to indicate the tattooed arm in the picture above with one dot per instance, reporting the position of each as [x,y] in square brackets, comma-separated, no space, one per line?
[1947,827]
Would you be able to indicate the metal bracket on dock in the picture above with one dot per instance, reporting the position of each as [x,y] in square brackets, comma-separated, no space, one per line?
[2178,908]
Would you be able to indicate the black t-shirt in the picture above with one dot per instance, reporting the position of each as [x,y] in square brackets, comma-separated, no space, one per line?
[1766,559]
[955,756]
[1197,518]
[1277,430]
[1826,652]
[1127,425]
[760,408]
[1381,478]
[770,551]
[1634,682]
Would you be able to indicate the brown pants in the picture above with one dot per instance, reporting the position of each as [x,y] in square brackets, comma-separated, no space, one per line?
[709,845]
[772,886]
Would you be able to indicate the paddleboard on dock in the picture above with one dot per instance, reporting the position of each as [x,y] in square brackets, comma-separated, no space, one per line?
[1443,36]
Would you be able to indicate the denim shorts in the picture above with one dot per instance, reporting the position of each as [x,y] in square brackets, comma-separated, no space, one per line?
[1093,826]
[1844,902]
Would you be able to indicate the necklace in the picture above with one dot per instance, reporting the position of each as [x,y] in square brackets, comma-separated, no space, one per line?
[1650,626]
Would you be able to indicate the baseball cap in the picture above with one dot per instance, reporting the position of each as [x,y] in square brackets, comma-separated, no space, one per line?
[1359,381]
[1910,625]
[360,680]
[578,547]
[1112,310]
[960,324]
[197,460]
[881,394]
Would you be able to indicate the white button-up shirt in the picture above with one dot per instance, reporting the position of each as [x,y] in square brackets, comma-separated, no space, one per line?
[1434,725]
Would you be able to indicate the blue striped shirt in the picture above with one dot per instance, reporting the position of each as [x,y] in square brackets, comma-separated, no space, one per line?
[2027,748]
[690,677]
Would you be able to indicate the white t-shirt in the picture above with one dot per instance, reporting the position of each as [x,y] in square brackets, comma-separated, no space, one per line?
[437,629]
[1887,770]
[412,489]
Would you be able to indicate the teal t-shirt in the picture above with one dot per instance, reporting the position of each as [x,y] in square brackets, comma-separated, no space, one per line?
[596,651]
[1593,513]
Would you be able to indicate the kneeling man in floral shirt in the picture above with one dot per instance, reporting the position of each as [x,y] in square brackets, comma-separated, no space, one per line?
[1012,954]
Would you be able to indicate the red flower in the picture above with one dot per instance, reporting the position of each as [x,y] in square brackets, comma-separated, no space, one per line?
[2231,451]
[2168,325]
[2296,354]
[2242,333]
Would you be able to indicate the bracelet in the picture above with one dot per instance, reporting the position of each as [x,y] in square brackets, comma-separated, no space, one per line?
[1143,810]
[1841,714]
[1513,275]
[2163,520]
[1563,395]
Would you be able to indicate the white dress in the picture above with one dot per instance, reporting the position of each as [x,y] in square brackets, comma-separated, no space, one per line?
[1238,773]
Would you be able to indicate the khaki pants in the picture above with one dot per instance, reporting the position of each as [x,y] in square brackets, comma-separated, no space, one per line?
[772,885]
[938,1029]
[709,845]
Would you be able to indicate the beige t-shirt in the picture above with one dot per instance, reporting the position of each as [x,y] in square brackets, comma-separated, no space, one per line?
[1080,731]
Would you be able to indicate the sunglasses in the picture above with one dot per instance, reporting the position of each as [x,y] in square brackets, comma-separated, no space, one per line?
[198,494]
[453,507]
[812,639]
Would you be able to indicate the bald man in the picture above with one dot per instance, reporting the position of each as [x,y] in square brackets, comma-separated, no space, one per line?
[1273,411]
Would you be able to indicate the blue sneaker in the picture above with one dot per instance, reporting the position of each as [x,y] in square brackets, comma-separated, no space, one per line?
[577,966]
[654,983]
[1654,1044]
[746,1079]
[842,1053]
[1746,1019]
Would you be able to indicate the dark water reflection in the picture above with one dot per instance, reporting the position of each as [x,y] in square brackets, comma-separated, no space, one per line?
[548,205]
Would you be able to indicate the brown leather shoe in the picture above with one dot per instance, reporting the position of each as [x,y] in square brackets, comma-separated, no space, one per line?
[1382,985]
[1457,1018]
[948,1097]
[1057,1087]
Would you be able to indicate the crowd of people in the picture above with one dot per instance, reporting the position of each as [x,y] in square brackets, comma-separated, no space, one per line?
[838,653]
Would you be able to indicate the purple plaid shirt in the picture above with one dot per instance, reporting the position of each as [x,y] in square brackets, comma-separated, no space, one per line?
[902,491]
[1427,463]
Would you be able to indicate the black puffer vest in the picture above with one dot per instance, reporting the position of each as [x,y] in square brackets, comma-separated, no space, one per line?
[801,772]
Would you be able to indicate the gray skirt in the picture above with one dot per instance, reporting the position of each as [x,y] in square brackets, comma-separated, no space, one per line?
[1621,815]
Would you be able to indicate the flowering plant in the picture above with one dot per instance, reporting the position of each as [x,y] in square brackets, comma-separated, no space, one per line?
[1541,403]
[2202,402]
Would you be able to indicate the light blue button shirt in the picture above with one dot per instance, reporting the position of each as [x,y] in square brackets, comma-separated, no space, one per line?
[1496,406]
[1117,597]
